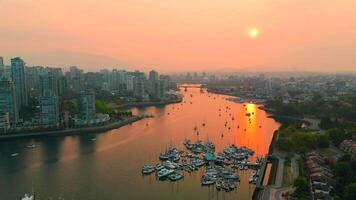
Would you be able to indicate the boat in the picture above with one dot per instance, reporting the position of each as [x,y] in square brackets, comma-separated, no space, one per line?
[28,197]
[163,157]
[218,185]
[169,165]
[159,167]
[147,169]
[175,176]
[207,182]
[164,172]
[14,154]
[31,146]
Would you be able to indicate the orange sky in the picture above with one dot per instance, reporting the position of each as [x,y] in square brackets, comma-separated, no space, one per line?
[179,35]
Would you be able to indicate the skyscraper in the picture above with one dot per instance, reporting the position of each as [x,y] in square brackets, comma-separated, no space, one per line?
[49,112]
[18,77]
[8,109]
[49,109]
[153,76]
[86,104]
[2,67]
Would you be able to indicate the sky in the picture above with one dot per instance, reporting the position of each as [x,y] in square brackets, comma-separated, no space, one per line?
[182,35]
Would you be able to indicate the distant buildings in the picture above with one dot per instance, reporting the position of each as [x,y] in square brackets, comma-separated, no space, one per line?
[8,106]
[320,175]
[49,108]
[153,76]
[18,77]
[49,98]
[86,105]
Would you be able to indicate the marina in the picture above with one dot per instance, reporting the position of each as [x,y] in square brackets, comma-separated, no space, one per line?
[219,170]
[114,160]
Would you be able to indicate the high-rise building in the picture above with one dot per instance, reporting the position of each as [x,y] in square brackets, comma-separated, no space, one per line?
[86,104]
[18,77]
[139,87]
[2,67]
[1,61]
[153,76]
[49,108]
[130,83]
[75,78]
[49,111]
[8,108]
[32,80]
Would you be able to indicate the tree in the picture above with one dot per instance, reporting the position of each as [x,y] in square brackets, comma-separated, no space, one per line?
[337,135]
[323,141]
[302,187]
[285,144]
[102,107]
[344,173]
[350,192]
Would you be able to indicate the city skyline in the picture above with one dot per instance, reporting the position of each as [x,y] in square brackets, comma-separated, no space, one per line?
[179,36]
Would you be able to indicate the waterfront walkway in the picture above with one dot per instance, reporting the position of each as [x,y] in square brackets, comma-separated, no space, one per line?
[74,131]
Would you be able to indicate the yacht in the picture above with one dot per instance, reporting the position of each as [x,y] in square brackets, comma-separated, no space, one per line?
[175,176]
[31,146]
[14,154]
[164,172]
[147,169]
[159,167]
[28,197]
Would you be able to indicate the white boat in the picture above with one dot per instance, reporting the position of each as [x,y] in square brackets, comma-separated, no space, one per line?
[31,146]
[14,154]
[207,182]
[159,167]
[147,169]
[164,172]
[169,165]
[28,197]
[175,177]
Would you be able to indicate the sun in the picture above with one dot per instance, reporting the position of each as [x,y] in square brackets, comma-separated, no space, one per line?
[253,33]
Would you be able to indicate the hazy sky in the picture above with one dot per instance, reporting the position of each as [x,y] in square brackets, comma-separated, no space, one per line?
[174,35]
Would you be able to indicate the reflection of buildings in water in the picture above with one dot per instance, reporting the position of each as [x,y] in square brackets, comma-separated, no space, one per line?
[50,148]
[87,143]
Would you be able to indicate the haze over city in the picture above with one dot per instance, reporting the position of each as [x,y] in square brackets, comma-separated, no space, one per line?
[173,36]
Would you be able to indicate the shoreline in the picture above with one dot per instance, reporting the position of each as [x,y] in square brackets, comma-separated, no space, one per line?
[95,129]
[146,104]
[76,131]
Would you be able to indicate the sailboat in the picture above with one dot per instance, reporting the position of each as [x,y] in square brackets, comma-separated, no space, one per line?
[29,196]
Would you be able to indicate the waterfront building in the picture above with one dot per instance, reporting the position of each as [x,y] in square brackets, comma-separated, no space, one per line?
[8,106]
[49,111]
[18,77]
[32,80]
[49,108]
[139,87]
[86,104]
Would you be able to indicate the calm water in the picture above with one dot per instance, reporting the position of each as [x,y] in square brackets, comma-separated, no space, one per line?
[75,167]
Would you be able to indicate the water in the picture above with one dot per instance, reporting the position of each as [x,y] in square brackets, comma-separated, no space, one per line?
[76,167]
